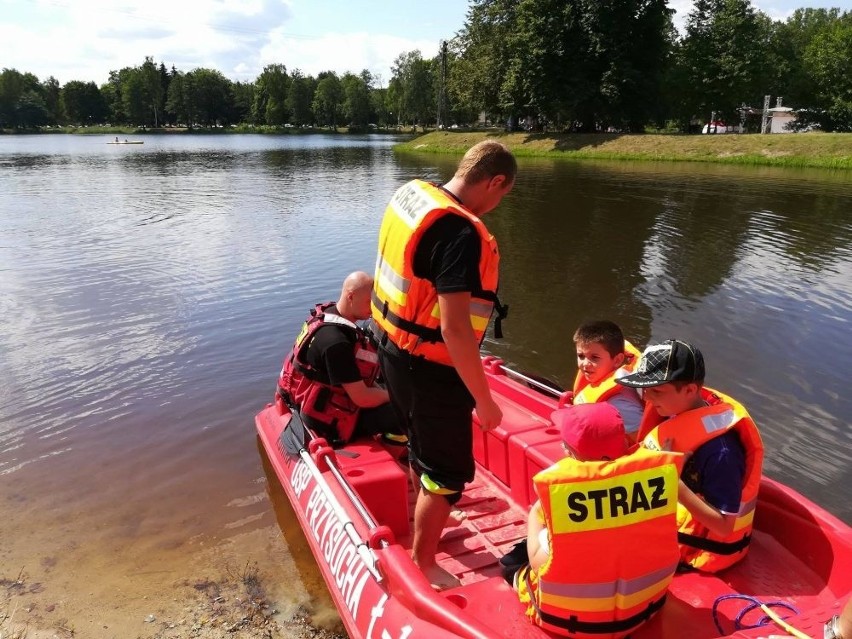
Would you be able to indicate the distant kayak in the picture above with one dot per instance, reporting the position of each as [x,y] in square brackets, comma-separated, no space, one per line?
[128,142]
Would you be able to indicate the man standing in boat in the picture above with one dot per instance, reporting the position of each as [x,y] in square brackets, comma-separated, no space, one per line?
[330,373]
[435,290]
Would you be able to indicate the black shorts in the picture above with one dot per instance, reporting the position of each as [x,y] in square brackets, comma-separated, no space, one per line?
[435,409]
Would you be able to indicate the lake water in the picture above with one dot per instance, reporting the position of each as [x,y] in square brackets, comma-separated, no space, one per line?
[148,294]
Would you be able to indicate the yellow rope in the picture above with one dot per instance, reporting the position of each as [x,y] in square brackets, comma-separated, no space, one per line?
[787,627]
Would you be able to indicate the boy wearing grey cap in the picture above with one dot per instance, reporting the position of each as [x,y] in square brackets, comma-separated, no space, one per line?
[719,483]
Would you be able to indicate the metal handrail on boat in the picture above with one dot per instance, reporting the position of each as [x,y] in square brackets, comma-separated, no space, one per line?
[362,546]
[550,390]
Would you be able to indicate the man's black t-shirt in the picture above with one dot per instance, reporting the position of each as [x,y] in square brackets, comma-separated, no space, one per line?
[448,256]
[331,354]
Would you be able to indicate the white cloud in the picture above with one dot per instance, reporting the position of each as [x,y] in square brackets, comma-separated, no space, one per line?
[342,52]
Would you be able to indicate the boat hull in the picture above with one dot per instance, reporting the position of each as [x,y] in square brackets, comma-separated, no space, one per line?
[800,554]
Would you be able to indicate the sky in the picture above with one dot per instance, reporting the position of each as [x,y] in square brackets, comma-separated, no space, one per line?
[86,39]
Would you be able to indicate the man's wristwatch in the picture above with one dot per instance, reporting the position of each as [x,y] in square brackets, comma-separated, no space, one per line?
[832,628]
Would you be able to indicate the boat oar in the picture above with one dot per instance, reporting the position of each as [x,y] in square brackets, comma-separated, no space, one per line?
[295,436]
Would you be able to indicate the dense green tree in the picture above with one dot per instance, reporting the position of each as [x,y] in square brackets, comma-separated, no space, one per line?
[243,93]
[300,98]
[793,80]
[356,99]
[583,64]
[212,96]
[50,91]
[828,59]
[328,99]
[17,105]
[135,97]
[111,91]
[153,88]
[83,103]
[181,100]
[165,80]
[379,107]
[270,97]
[723,56]
[412,89]
[31,111]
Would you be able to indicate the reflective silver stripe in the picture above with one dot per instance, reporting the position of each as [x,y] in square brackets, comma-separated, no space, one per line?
[398,281]
[367,356]
[607,588]
[482,309]
[719,421]
[328,318]
[747,507]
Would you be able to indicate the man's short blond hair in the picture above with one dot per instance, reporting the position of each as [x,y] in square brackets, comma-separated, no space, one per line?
[486,160]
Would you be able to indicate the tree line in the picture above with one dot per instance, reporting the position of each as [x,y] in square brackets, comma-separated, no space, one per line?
[577,65]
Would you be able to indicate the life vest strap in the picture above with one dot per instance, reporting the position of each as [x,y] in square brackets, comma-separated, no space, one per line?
[502,311]
[711,545]
[573,624]
[427,334]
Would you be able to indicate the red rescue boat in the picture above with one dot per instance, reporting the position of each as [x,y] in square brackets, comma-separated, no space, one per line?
[355,504]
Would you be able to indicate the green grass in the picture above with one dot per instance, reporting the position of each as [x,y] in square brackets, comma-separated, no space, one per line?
[822,150]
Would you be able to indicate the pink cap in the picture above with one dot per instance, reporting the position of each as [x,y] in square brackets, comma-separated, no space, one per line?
[593,431]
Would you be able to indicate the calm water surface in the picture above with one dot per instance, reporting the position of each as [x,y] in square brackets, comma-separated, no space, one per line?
[149,292]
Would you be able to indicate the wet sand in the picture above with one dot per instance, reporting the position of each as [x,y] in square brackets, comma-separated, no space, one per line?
[61,579]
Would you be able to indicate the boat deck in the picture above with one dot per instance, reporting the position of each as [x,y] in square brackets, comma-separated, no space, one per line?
[494,523]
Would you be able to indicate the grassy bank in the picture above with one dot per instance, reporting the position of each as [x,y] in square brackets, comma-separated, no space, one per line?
[824,150]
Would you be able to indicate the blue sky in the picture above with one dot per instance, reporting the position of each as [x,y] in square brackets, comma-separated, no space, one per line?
[86,39]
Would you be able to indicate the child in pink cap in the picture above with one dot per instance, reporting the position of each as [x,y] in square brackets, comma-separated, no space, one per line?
[590,432]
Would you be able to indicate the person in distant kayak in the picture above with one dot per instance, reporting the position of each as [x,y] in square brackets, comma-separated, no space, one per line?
[330,374]
[578,576]
[603,355]
[718,488]
[116,139]
[434,294]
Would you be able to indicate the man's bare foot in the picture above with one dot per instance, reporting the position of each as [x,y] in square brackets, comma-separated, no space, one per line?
[440,578]
[456,517]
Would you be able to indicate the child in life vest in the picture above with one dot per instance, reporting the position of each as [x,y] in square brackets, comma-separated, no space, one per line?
[577,563]
[590,432]
[603,356]
[720,480]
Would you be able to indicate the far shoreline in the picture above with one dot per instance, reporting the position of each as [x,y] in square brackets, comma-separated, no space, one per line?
[814,150]
[793,150]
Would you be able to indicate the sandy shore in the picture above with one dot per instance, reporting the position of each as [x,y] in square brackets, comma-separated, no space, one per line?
[247,587]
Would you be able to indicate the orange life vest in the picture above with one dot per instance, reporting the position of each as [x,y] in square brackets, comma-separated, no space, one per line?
[329,407]
[613,544]
[686,432]
[586,393]
[405,306]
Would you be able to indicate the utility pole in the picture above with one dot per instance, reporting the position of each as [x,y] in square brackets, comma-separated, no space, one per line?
[442,88]
[764,124]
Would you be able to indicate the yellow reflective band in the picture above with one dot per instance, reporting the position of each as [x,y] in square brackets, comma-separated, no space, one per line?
[432,487]
[302,333]
[436,311]
[603,604]
[479,324]
[393,437]
[743,521]
[613,502]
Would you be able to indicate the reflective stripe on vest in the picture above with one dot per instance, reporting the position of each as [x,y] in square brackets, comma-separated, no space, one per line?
[590,506]
[586,393]
[701,548]
[405,306]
